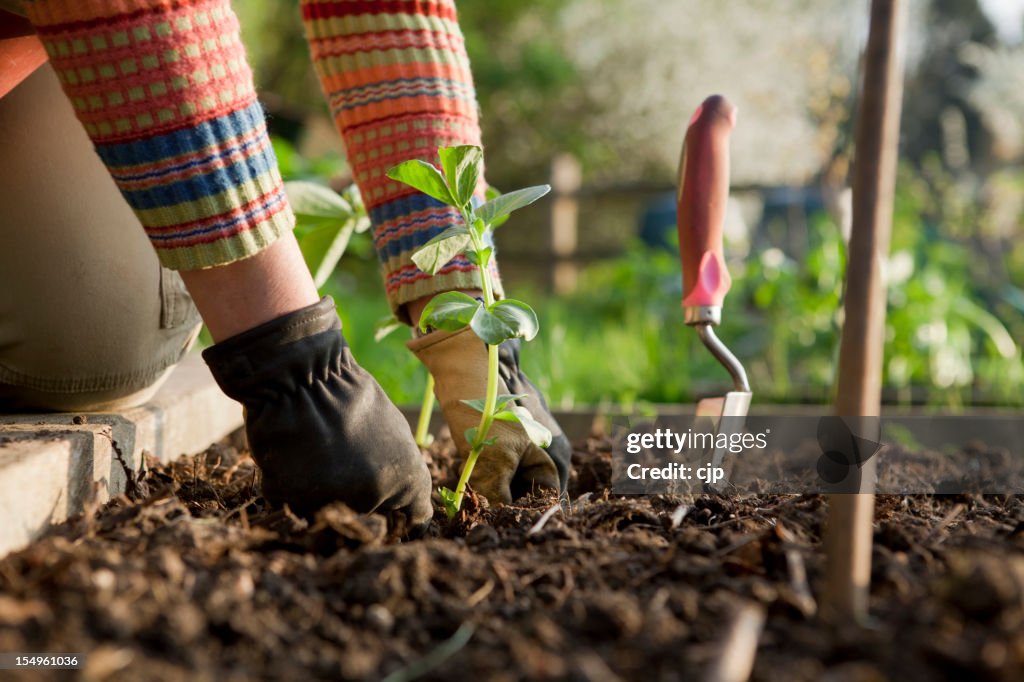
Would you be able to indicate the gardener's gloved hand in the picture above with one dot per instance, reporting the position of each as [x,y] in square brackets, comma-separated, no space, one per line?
[513,466]
[320,427]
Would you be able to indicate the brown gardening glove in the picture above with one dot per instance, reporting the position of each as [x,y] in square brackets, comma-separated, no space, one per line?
[514,465]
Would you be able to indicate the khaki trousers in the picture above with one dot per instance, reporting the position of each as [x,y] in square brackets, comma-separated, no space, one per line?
[88,318]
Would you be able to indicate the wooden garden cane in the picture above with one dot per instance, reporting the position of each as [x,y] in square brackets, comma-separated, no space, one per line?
[848,536]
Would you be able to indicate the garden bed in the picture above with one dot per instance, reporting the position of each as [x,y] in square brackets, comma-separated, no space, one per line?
[190,577]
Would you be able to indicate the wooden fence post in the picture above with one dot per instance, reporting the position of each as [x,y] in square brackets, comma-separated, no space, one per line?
[848,537]
[566,179]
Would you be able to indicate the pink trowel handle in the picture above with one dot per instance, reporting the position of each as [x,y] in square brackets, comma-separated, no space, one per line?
[703,193]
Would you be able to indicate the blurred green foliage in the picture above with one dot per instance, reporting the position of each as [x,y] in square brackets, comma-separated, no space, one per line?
[956,274]
[621,337]
[526,85]
[950,335]
[952,323]
[951,327]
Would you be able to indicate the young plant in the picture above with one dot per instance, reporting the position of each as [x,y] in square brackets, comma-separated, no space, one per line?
[493,321]
[325,223]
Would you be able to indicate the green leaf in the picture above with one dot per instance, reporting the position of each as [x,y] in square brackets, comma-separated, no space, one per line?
[450,311]
[537,432]
[470,435]
[424,177]
[490,194]
[385,326]
[462,170]
[989,324]
[506,203]
[450,233]
[436,253]
[305,225]
[491,328]
[324,245]
[308,199]
[480,258]
[518,316]
[480,228]
[503,400]
[448,499]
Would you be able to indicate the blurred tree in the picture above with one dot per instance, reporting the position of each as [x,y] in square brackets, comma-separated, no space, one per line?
[936,112]
[528,89]
[997,95]
[963,134]
[612,81]
[647,64]
[525,83]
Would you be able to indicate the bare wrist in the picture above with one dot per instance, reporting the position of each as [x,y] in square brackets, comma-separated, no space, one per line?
[236,297]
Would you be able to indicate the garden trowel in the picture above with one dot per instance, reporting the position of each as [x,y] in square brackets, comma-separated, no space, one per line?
[701,202]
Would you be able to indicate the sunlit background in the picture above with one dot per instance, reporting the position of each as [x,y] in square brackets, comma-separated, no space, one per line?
[606,87]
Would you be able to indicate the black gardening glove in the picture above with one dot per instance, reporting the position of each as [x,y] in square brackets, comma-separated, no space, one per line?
[560,451]
[319,426]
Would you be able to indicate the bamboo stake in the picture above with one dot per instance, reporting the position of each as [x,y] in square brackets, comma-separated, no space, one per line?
[849,534]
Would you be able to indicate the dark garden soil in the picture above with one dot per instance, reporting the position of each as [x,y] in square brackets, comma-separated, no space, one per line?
[191,578]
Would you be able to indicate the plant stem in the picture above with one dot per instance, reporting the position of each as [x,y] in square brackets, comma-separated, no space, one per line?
[486,419]
[485,281]
[460,489]
[423,425]
[491,399]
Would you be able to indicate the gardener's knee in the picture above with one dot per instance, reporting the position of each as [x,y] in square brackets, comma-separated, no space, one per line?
[88,319]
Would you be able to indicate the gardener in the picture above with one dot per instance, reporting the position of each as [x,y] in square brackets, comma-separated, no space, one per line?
[91,319]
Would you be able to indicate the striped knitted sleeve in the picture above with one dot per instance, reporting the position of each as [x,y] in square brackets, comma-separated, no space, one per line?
[396,76]
[164,90]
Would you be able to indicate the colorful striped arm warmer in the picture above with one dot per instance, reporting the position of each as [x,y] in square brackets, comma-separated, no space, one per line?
[164,91]
[397,79]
